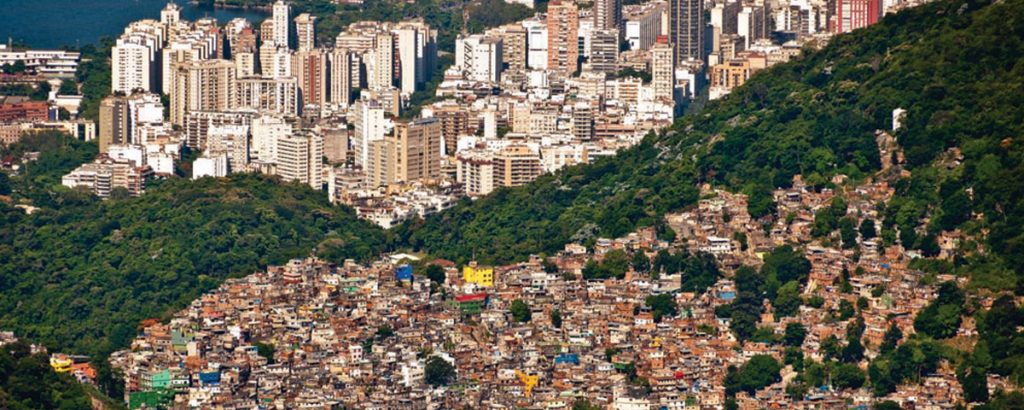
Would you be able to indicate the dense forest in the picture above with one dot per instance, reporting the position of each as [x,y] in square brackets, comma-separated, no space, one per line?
[81,273]
[956,67]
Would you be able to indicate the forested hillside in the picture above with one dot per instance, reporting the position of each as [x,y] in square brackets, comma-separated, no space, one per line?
[956,67]
[81,273]
[28,382]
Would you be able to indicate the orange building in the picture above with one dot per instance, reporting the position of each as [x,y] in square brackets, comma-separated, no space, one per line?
[25,111]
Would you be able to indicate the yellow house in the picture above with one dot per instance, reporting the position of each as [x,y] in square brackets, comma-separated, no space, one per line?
[481,276]
[61,363]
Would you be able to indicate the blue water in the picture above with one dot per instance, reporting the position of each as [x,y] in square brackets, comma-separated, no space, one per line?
[56,23]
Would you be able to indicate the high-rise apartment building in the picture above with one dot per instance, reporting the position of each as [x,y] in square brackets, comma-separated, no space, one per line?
[171,14]
[114,122]
[563,32]
[199,123]
[344,65]
[454,123]
[850,15]
[645,25]
[266,131]
[368,118]
[604,51]
[480,57]
[131,67]
[752,24]
[278,62]
[686,24]
[232,140]
[267,31]
[663,70]
[582,122]
[516,165]
[417,146]
[513,47]
[300,158]
[270,95]
[145,110]
[207,85]
[311,69]
[415,54]
[380,166]
[282,23]
[305,31]
[608,15]
[537,44]
[380,63]
[475,170]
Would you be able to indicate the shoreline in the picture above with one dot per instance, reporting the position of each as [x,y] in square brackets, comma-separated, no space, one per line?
[218,4]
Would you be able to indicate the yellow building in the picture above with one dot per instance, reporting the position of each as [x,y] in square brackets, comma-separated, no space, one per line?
[61,363]
[481,276]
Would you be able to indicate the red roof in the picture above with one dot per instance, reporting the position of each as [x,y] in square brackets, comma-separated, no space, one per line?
[472,297]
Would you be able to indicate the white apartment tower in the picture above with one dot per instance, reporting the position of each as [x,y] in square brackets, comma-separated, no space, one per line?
[170,15]
[416,49]
[369,126]
[662,70]
[480,57]
[266,131]
[305,31]
[131,67]
[341,64]
[281,13]
[299,158]
[536,44]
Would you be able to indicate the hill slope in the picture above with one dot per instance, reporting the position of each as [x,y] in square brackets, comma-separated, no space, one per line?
[81,275]
[957,67]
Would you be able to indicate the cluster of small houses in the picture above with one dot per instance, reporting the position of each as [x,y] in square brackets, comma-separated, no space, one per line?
[359,335]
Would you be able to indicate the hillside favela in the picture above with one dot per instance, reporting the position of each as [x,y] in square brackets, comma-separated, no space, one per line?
[512,204]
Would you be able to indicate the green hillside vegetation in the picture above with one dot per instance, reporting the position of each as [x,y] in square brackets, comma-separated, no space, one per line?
[38,179]
[957,67]
[81,273]
[28,382]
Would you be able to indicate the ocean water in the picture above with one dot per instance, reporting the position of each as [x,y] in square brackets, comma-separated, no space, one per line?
[57,23]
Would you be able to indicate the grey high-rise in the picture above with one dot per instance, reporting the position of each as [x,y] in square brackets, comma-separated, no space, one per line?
[687,29]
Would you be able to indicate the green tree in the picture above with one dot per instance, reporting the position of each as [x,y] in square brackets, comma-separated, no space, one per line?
[846,310]
[436,274]
[848,232]
[853,352]
[848,376]
[786,264]
[265,350]
[941,318]
[787,302]
[662,305]
[17,67]
[640,262]
[5,184]
[795,334]
[759,372]
[975,385]
[556,318]
[438,372]
[520,311]
[887,405]
[583,404]
[867,229]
